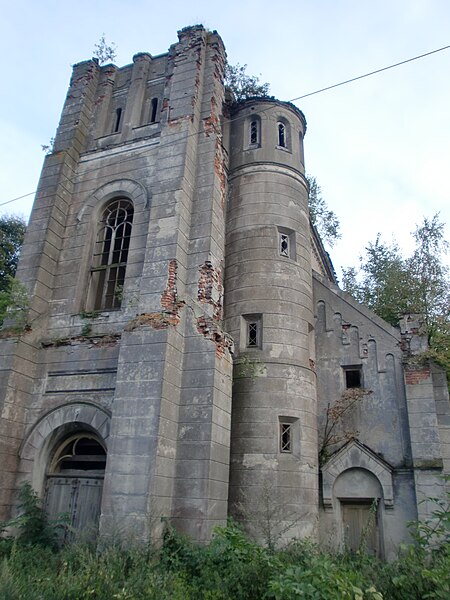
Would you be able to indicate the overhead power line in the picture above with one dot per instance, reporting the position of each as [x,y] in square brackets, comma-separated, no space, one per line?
[19,198]
[335,85]
[319,91]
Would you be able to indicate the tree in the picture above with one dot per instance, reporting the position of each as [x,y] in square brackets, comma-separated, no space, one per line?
[392,285]
[429,276]
[324,219]
[13,296]
[12,231]
[243,86]
[384,281]
[105,52]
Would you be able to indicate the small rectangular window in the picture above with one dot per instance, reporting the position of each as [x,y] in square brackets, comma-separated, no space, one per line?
[284,245]
[286,242]
[353,377]
[251,331]
[252,334]
[286,437]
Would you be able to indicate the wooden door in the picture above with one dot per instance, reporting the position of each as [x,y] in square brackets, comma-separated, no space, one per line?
[360,527]
[78,497]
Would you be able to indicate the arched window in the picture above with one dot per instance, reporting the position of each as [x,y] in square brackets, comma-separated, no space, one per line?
[79,454]
[153,110]
[75,482]
[111,255]
[282,137]
[255,132]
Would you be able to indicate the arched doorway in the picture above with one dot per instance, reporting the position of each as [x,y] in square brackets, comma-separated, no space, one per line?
[74,483]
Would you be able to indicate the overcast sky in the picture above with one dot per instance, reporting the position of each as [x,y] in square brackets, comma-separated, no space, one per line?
[379,147]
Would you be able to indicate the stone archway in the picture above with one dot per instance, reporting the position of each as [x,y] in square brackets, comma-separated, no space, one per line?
[74,483]
[64,457]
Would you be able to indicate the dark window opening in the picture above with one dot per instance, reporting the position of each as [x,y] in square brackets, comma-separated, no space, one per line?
[284,244]
[285,437]
[111,255]
[281,135]
[254,132]
[118,119]
[252,334]
[352,378]
[154,108]
[81,454]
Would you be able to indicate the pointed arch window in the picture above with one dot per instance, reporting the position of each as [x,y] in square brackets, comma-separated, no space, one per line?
[282,135]
[254,131]
[111,255]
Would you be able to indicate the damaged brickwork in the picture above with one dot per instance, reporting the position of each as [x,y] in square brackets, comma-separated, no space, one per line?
[211,125]
[170,315]
[210,288]
[211,331]
[96,341]
[416,376]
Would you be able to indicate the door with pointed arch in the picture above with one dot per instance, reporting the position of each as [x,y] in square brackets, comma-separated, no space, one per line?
[74,485]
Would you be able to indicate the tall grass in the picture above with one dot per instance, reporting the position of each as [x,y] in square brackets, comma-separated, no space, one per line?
[231,567]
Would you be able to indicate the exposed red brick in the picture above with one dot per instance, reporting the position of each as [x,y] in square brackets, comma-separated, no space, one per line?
[210,288]
[170,315]
[220,171]
[211,331]
[415,376]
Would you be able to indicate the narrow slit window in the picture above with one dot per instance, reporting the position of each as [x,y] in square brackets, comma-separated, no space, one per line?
[284,245]
[253,334]
[286,437]
[254,131]
[153,110]
[282,135]
[118,120]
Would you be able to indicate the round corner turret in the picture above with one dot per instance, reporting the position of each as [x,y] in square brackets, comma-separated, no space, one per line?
[267,130]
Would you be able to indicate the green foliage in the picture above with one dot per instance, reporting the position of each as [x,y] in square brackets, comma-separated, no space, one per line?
[14,304]
[243,86]
[229,568]
[14,299]
[12,231]
[249,366]
[32,525]
[105,52]
[392,285]
[324,219]
[430,281]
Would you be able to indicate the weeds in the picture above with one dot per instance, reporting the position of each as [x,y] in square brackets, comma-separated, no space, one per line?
[231,567]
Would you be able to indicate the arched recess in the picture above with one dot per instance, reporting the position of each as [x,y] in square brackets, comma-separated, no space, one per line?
[356,456]
[52,428]
[128,188]
[357,487]
[88,220]
[65,454]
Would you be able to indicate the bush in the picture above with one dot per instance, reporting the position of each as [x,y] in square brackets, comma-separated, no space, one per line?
[32,525]
[230,568]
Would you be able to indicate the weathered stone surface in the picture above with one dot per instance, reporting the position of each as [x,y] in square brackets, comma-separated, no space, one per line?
[220,240]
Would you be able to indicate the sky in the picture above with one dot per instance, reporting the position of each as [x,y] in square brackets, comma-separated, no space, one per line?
[379,147]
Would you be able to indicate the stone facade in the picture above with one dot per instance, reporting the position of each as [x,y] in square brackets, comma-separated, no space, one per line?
[187,334]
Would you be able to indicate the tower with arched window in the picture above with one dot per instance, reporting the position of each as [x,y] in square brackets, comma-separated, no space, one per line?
[188,353]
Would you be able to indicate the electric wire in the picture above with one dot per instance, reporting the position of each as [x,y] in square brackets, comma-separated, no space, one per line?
[232,120]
